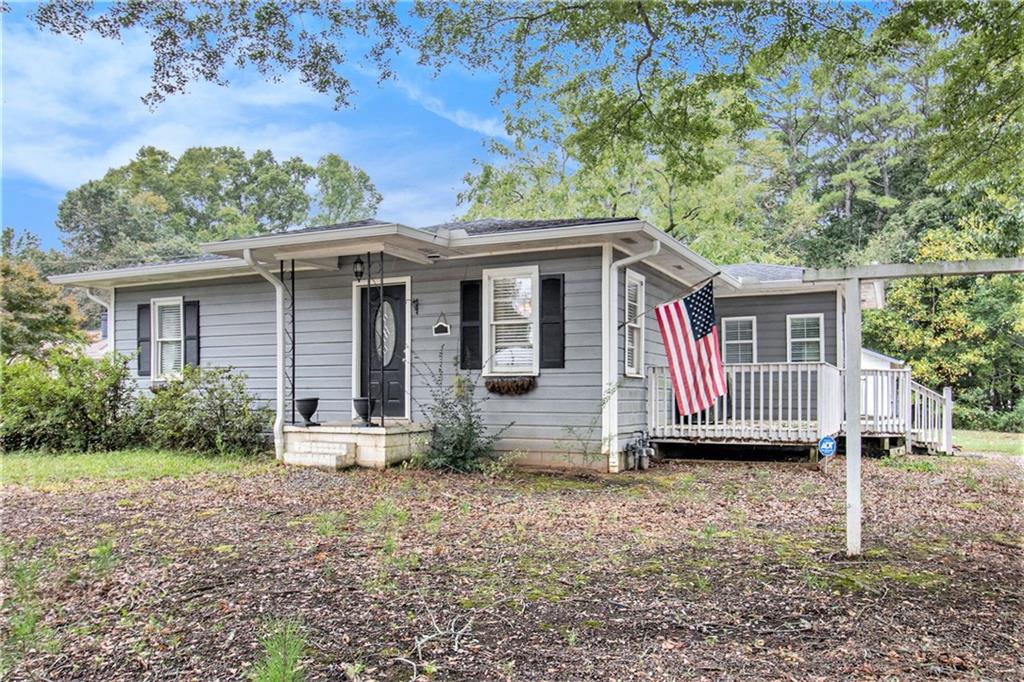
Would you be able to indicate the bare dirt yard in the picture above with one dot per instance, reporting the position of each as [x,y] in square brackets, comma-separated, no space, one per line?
[691,570]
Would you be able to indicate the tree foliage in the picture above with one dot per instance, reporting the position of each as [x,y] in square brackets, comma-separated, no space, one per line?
[645,73]
[34,313]
[158,206]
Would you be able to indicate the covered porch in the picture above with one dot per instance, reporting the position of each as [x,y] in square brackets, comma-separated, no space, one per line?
[796,404]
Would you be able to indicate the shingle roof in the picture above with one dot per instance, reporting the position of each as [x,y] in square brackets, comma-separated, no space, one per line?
[765,272]
[336,226]
[497,225]
[202,258]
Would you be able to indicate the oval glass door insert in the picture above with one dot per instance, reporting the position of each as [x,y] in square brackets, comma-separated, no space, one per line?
[384,330]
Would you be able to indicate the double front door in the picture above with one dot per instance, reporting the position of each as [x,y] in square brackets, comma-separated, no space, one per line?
[382,352]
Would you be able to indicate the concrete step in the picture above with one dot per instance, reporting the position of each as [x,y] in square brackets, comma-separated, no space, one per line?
[319,460]
[319,447]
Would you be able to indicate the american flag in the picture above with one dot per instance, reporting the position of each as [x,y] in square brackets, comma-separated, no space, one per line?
[691,344]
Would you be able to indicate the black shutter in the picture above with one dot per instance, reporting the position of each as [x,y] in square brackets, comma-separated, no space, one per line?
[191,310]
[471,307]
[145,358]
[552,321]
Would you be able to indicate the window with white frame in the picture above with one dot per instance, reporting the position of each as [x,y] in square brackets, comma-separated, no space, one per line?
[805,335]
[739,339]
[634,324]
[511,308]
[168,337]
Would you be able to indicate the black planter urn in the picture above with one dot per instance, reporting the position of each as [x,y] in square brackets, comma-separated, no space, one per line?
[306,408]
[364,408]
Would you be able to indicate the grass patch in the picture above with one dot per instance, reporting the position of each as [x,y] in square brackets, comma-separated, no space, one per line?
[872,579]
[330,524]
[41,470]
[284,644]
[916,463]
[25,628]
[102,556]
[989,441]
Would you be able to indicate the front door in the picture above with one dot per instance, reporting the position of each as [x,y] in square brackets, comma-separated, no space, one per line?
[383,348]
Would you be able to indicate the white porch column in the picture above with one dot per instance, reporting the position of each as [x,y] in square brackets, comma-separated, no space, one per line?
[279,354]
[853,351]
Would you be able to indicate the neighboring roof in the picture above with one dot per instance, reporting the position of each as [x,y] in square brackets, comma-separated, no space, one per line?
[765,272]
[502,225]
[882,356]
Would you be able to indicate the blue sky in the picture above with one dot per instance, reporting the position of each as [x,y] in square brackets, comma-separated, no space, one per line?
[71,110]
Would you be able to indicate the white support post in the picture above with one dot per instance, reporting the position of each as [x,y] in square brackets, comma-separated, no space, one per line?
[853,443]
[279,354]
[947,420]
[906,403]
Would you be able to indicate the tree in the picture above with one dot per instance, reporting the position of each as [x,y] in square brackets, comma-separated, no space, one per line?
[158,206]
[199,39]
[966,332]
[646,72]
[344,192]
[34,313]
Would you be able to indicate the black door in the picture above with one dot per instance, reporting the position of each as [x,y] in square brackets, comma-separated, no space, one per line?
[386,323]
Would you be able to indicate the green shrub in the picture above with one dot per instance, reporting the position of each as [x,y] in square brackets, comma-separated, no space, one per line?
[207,410]
[460,440]
[67,401]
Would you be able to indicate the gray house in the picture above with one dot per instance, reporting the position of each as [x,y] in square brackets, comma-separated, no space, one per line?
[550,317]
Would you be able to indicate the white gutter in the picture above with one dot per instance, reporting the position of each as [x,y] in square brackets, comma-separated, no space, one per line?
[109,306]
[610,347]
[279,324]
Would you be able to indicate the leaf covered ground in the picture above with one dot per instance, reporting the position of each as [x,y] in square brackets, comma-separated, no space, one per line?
[691,570]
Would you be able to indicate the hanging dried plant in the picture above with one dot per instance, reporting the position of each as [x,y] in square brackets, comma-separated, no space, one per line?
[511,385]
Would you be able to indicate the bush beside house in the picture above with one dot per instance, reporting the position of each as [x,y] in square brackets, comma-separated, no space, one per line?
[66,401]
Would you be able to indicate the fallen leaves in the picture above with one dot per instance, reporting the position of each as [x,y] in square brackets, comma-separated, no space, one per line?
[708,570]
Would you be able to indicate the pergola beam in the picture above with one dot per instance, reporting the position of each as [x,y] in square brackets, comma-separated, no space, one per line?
[988,266]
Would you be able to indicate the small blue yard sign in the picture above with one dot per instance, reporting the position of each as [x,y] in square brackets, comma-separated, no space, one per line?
[827,446]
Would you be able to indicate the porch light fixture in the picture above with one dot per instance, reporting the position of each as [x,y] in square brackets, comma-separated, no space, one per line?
[359,269]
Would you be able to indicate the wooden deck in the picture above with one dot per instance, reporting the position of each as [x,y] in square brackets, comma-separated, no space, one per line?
[795,404]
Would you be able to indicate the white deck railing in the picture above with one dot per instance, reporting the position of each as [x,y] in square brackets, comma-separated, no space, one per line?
[885,402]
[928,418]
[792,403]
[773,402]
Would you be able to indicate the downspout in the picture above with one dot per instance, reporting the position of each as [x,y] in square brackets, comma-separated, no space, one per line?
[610,350]
[279,324]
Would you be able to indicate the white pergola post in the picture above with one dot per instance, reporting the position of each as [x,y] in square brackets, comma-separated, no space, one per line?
[853,352]
[852,278]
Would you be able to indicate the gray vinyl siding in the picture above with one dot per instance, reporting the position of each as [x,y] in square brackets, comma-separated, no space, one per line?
[633,391]
[236,323]
[237,329]
[771,312]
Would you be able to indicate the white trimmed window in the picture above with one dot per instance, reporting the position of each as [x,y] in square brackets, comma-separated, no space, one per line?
[805,337]
[739,339]
[168,337]
[511,308]
[634,323]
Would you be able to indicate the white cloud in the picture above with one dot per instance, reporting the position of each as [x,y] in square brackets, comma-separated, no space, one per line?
[489,126]
[72,110]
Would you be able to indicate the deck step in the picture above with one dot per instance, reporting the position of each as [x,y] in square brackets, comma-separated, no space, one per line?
[321,460]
